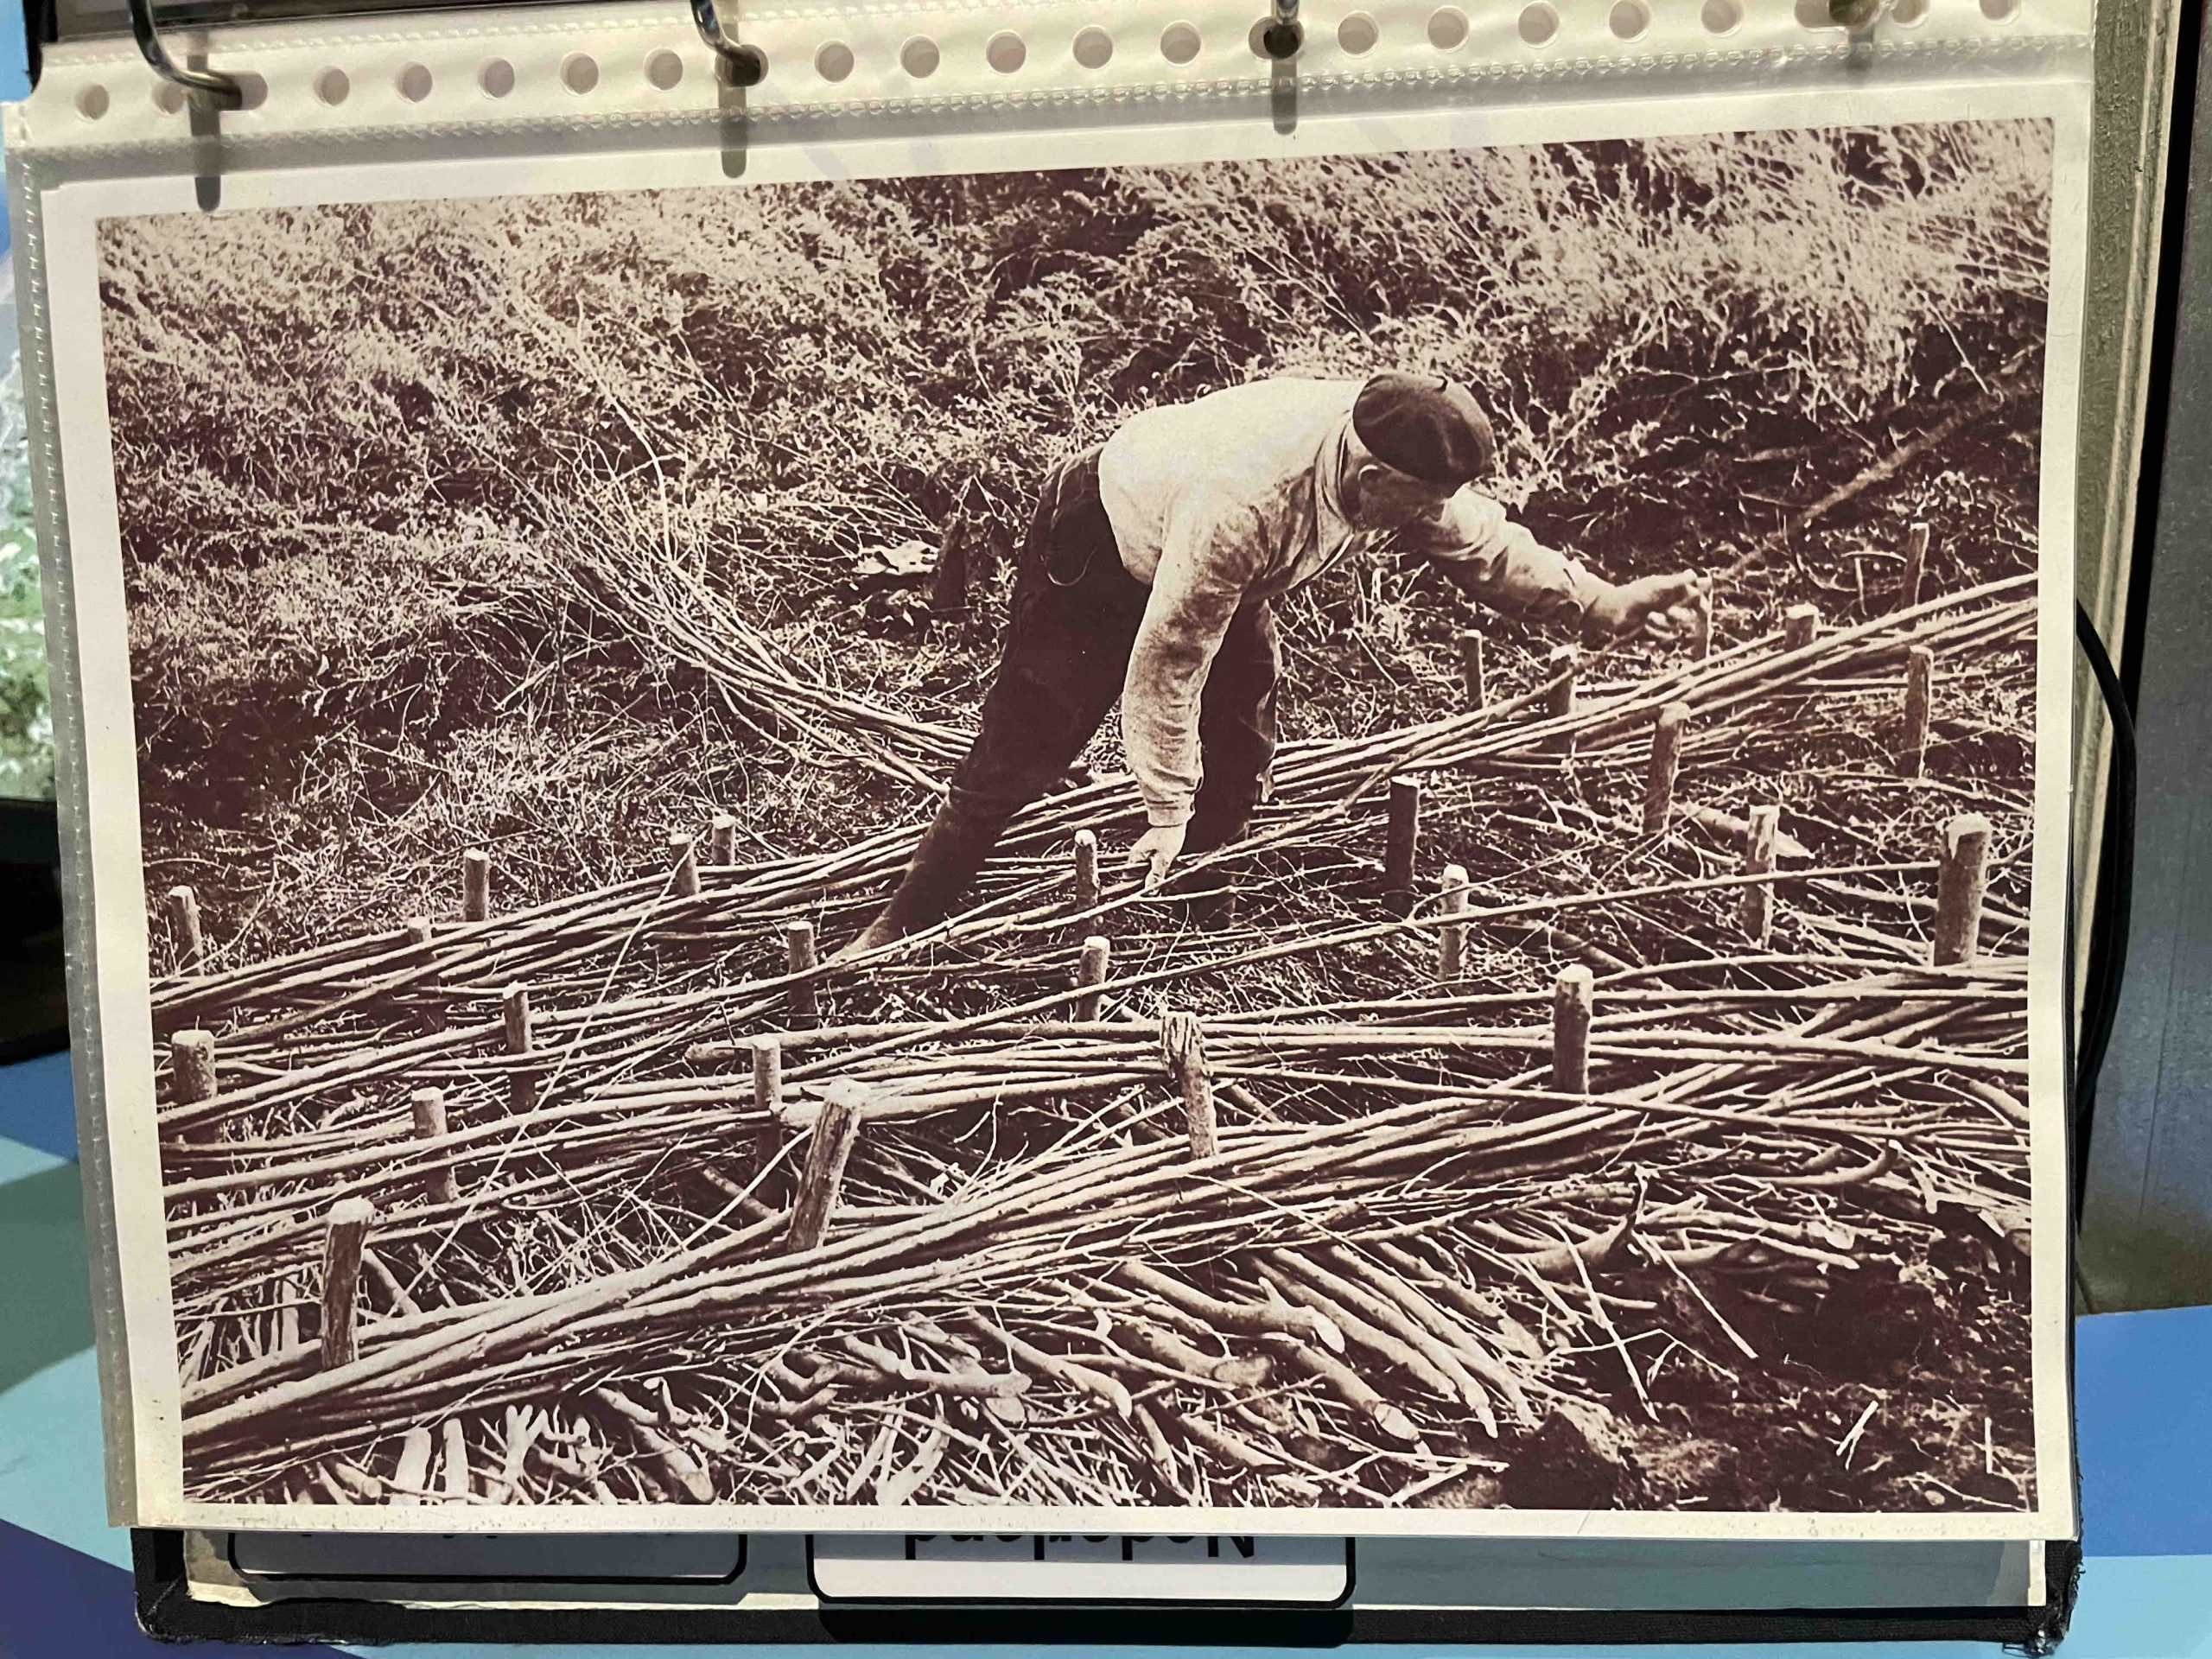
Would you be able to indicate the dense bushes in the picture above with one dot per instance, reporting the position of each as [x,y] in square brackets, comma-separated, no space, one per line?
[358,444]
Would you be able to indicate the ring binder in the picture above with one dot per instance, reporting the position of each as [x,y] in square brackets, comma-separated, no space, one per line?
[206,91]
[739,66]
[736,68]
[223,91]
[1282,39]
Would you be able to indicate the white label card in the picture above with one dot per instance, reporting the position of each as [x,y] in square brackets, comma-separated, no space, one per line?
[1091,1568]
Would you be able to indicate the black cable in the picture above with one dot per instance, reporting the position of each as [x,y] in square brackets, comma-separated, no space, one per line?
[2108,923]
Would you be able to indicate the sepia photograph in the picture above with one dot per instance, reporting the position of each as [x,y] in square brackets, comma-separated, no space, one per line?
[1337,833]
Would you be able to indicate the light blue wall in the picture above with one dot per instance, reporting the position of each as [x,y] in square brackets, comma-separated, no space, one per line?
[14,79]
[14,82]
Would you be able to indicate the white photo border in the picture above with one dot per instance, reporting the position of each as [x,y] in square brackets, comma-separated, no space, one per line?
[70,214]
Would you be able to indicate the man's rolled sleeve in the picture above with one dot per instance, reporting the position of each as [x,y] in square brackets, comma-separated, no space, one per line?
[1206,562]
[1500,564]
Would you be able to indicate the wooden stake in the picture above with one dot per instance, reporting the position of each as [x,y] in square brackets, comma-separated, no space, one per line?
[429,1005]
[1090,970]
[948,582]
[1801,625]
[412,1477]
[1962,879]
[1916,567]
[1561,665]
[430,1125]
[1086,870]
[192,1066]
[514,1017]
[475,885]
[1469,641]
[1666,764]
[1919,700]
[1401,843]
[342,1277]
[803,1007]
[836,1128]
[191,1078]
[684,856]
[452,1472]
[185,937]
[1183,1044]
[1757,911]
[1571,999]
[768,1075]
[1700,606]
[1451,936]
[722,840]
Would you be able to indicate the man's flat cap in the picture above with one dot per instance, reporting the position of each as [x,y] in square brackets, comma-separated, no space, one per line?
[1424,425]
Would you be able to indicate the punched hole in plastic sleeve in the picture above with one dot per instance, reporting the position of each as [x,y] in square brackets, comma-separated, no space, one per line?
[652,62]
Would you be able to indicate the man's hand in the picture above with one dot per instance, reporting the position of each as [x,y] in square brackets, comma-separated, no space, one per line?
[1659,602]
[1159,846]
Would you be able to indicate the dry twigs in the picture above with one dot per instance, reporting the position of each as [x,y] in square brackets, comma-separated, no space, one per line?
[969,1231]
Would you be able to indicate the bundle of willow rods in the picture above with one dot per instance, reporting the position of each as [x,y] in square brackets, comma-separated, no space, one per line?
[975,1228]
[1756,687]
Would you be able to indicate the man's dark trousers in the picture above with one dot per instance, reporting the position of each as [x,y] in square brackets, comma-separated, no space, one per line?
[1074,618]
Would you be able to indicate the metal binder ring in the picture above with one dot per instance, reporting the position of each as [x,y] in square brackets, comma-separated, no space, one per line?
[744,65]
[1284,34]
[223,91]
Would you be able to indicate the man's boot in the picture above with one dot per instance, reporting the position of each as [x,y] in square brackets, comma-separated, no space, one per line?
[951,855]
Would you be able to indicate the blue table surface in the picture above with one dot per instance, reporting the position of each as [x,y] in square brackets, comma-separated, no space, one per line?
[2144,1429]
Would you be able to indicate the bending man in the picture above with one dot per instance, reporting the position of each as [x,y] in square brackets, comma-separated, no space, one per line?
[1149,574]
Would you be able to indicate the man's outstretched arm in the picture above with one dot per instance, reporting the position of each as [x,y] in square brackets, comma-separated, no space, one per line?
[1498,563]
